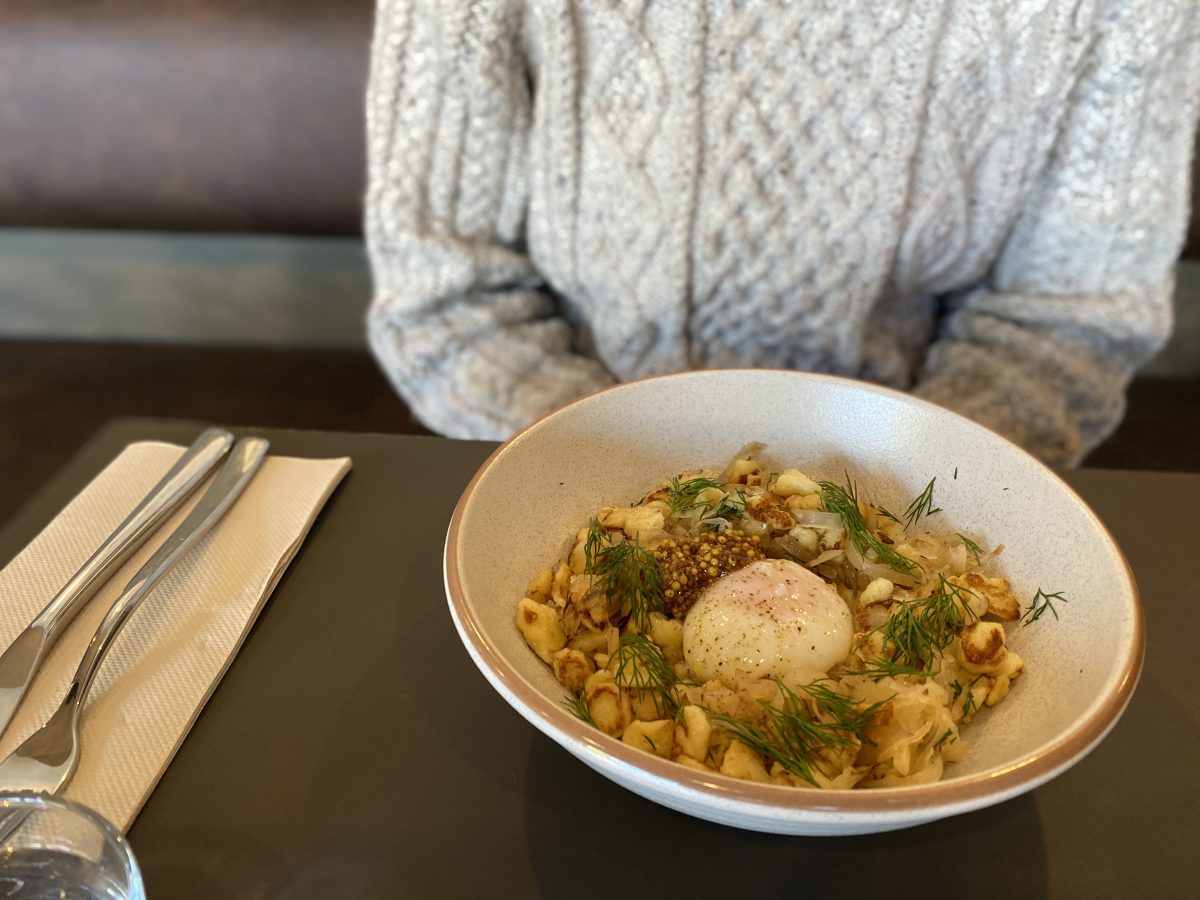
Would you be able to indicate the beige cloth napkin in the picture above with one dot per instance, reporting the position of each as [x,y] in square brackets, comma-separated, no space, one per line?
[173,651]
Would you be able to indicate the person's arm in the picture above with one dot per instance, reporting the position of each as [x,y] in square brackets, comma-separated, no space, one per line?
[1081,295]
[460,321]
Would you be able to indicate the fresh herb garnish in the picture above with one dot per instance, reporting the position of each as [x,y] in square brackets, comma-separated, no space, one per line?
[579,708]
[947,610]
[969,705]
[596,540]
[921,506]
[972,547]
[639,664]
[732,506]
[845,710]
[1040,603]
[795,737]
[917,632]
[885,668]
[683,496]
[627,572]
[844,502]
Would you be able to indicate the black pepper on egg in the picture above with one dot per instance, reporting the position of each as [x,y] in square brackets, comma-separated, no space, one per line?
[690,565]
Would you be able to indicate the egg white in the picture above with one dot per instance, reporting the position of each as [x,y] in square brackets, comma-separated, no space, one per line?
[773,618]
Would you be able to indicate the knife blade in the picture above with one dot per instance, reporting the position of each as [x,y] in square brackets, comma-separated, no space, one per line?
[21,660]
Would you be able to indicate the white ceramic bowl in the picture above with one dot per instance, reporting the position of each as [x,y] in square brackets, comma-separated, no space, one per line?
[518,514]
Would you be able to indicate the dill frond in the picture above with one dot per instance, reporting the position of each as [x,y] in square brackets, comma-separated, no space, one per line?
[885,668]
[1040,603]
[597,539]
[969,704]
[844,502]
[797,739]
[845,711]
[918,631]
[627,572]
[577,706]
[683,496]
[732,506]
[947,611]
[972,547]
[921,506]
[640,664]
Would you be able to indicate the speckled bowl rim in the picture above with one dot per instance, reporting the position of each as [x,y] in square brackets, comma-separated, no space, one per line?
[961,793]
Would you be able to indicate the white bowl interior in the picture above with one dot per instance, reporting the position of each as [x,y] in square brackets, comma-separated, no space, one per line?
[609,449]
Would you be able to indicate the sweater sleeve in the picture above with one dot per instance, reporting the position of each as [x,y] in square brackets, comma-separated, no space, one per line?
[460,320]
[1081,294]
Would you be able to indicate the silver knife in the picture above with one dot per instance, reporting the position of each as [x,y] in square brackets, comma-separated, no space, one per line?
[21,660]
[48,758]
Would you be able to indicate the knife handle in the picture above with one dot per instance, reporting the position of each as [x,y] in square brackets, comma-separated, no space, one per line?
[231,480]
[162,500]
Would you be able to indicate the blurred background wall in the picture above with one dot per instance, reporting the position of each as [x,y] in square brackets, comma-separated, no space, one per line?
[142,141]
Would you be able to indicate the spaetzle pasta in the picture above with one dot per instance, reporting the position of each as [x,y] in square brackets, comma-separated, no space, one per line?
[774,627]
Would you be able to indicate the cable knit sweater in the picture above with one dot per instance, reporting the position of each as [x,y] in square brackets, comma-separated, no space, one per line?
[981,202]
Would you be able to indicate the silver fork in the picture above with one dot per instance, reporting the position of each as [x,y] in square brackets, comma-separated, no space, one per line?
[47,759]
[20,662]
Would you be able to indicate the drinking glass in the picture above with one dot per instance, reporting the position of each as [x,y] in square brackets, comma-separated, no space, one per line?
[63,851]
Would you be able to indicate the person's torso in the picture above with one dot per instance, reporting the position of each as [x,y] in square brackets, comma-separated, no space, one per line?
[784,184]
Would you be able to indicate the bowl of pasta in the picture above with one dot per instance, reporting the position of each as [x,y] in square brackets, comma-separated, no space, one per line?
[793,603]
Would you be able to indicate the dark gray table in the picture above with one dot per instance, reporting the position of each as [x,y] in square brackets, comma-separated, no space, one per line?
[353,750]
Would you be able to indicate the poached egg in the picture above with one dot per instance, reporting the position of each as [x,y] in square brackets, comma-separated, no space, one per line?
[768,619]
